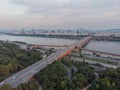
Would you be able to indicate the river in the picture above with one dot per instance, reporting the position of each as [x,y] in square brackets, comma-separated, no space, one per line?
[38,40]
[107,46]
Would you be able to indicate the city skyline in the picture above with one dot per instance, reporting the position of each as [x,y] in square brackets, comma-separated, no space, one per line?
[57,14]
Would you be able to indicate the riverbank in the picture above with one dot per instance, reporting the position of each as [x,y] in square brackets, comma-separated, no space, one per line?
[107,46]
[73,37]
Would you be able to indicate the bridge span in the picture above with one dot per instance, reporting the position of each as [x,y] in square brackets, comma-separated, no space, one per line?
[30,71]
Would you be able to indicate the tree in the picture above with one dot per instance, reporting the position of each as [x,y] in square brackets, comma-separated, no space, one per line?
[103,84]
[4,70]
[79,81]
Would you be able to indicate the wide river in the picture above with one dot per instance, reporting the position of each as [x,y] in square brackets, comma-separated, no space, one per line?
[106,46]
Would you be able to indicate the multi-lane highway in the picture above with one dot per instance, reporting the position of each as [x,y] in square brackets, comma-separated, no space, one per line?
[30,71]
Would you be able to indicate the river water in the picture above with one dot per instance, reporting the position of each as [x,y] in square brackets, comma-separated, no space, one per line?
[106,46]
[38,40]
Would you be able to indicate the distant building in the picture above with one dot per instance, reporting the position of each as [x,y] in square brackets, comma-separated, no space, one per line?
[22,31]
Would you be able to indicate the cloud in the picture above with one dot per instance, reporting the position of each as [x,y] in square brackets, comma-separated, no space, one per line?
[69,8]
[60,12]
[37,6]
[46,5]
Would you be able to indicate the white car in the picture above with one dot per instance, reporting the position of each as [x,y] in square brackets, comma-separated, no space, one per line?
[1,83]
[14,77]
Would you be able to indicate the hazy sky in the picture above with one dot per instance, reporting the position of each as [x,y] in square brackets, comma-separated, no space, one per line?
[90,14]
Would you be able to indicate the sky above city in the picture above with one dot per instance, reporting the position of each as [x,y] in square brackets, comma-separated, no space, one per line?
[90,14]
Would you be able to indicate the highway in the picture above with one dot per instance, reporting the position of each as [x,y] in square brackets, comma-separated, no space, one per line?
[30,71]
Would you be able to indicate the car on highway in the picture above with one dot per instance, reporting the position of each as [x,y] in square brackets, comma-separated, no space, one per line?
[1,83]
[24,78]
[47,60]
[13,77]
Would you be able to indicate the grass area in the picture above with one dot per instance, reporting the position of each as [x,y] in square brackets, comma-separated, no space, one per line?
[102,61]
